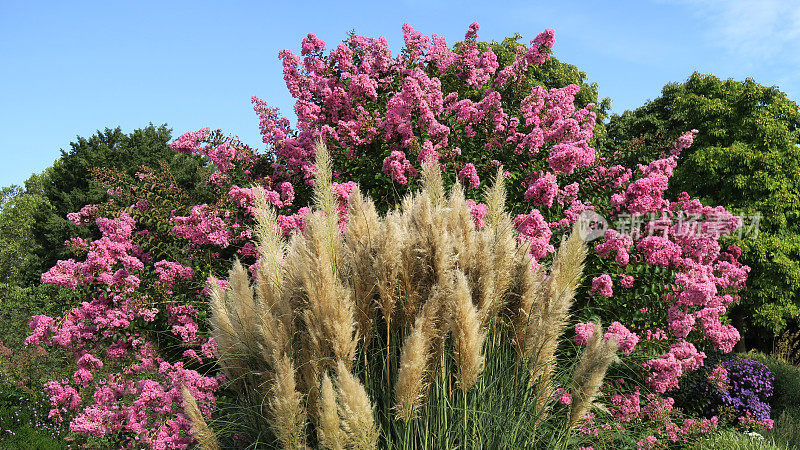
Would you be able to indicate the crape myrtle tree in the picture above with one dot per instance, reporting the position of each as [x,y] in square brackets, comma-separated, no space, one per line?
[142,332]
[745,157]
[68,185]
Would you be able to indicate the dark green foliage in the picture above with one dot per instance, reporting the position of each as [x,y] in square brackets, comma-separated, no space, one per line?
[24,407]
[17,218]
[25,366]
[723,112]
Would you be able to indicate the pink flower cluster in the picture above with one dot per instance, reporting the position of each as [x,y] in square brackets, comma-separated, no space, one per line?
[668,368]
[533,228]
[626,281]
[627,339]
[109,260]
[543,190]
[245,197]
[203,225]
[626,407]
[748,422]
[657,411]
[718,377]
[294,221]
[602,285]
[469,176]
[618,243]
[478,211]
[169,272]
[397,166]
[222,154]
[583,332]
[334,95]
[85,216]
[684,141]
[190,143]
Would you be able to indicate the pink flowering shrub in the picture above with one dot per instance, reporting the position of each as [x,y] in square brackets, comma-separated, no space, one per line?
[650,416]
[662,282]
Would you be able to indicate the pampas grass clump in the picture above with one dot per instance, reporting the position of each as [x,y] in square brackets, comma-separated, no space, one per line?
[411,330]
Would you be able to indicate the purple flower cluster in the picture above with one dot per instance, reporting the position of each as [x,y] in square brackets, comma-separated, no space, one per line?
[749,387]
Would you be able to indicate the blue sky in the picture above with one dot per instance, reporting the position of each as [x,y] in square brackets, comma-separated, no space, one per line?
[68,69]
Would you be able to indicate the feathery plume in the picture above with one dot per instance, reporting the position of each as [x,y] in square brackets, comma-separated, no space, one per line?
[588,375]
[467,334]
[361,241]
[414,356]
[323,176]
[388,262]
[271,252]
[328,427]
[551,316]
[205,437]
[313,266]
[503,244]
[496,199]
[242,307]
[230,350]
[355,410]
[432,182]
[289,416]
[531,291]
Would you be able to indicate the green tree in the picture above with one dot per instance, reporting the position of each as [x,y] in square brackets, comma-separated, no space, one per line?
[746,158]
[18,206]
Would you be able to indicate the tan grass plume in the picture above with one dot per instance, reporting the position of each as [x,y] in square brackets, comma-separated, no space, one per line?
[588,375]
[205,437]
[355,411]
[468,334]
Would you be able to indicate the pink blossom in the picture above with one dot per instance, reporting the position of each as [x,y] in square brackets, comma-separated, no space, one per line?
[602,285]
[627,340]
[626,407]
[469,176]
[659,251]
[543,191]
[427,153]
[626,281]
[169,272]
[583,332]
[618,243]
[203,225]
[533,228]
[684,141]
[189,143]
[666,369]
[478,211]
[397,166]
